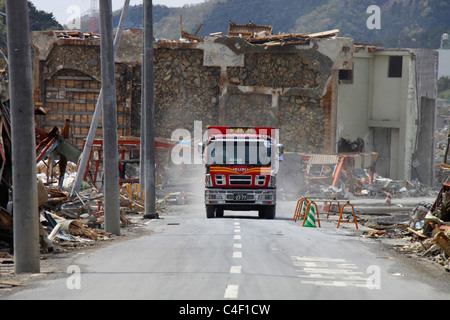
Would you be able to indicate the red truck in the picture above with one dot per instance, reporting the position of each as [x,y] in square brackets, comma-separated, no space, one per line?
[241,166]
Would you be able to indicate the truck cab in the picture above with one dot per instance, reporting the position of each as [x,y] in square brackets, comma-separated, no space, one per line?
[241,166]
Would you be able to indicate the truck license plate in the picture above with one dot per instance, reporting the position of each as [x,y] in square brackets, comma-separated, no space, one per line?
[240,196]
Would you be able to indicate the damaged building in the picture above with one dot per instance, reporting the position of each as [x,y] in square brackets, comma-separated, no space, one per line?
[389,100]
[316,88]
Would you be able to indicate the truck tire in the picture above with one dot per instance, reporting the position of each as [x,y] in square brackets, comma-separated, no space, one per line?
[219,212]
[270,212]
[262,213]
[210,212]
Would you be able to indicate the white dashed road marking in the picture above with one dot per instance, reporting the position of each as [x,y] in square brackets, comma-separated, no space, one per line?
[236,269]
[231,291]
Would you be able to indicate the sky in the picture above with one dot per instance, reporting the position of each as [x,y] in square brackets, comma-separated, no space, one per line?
[65,9]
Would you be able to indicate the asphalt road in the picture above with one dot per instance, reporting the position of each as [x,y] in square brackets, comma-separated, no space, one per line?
[185,256]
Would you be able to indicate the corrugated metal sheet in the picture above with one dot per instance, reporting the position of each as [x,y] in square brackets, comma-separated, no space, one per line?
[361,160]
[323,159]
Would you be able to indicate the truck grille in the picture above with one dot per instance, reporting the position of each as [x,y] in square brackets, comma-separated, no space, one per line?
[240,180]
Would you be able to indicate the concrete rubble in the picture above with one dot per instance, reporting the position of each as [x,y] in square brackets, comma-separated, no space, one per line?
[73,222]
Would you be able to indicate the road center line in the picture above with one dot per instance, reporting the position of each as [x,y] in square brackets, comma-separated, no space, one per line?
[237,254]
[236,269]
[231,291]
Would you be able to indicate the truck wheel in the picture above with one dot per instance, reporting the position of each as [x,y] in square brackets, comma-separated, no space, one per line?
[270,212]
[262,213]
[210,212]
[219,212]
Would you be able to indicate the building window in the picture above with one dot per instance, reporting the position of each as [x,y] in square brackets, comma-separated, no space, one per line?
[345,76]
[395,66]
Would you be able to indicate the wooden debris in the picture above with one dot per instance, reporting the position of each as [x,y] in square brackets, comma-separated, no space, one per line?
[375,233]
[293,39]
[5,219]
[419,235]
[443,241]
[9,284]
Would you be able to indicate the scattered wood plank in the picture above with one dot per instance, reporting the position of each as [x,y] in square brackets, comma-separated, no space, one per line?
[328,33]
[443,241]
[7,283]
[418,234]
[5,219]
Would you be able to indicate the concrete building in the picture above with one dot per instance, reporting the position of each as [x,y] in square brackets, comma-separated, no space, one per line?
[316,89]
[389,100]
[444,57]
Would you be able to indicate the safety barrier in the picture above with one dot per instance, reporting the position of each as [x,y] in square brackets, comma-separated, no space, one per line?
[298,209]
[354,216]
[303,209]
[330,207]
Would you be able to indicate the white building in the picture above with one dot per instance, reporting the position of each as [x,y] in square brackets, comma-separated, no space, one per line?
[444,57]
[389,100]
[444,63]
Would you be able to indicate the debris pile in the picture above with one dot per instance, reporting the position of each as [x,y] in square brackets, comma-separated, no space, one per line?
[260,34]
[352,174]
[73,221]
[427,230]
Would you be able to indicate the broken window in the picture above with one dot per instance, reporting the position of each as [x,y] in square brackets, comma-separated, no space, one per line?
[395,66]
[345,76]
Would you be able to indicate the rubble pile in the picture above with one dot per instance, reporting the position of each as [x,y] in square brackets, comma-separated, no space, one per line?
[427,231]
[352,174]
[72,223]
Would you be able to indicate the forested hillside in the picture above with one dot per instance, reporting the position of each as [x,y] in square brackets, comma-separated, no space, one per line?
[404,23]
[39,20]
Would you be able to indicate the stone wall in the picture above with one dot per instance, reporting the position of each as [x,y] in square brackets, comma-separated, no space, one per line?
[185,90]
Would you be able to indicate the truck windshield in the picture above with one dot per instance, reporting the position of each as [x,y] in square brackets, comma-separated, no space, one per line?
[239,151]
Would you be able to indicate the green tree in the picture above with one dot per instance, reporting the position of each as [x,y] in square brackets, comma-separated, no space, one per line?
[39,21]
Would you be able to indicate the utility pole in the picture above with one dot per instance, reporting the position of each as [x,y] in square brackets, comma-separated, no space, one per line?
[110,144]
[97,112]
[25,202]
[148,109]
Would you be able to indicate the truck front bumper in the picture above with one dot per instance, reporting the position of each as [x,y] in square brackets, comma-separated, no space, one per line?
[240,197]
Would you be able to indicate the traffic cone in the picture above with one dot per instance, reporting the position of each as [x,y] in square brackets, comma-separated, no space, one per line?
[388,198]
[325,207]
[311,220]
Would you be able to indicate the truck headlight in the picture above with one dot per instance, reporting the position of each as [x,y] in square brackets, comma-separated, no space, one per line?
[208,181]
[272,182]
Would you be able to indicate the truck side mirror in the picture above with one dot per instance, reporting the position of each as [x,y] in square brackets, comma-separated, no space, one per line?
[280,152]
[201,147]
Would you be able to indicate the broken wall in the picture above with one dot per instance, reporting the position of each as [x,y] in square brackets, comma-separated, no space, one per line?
[395,112]
[219,81]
